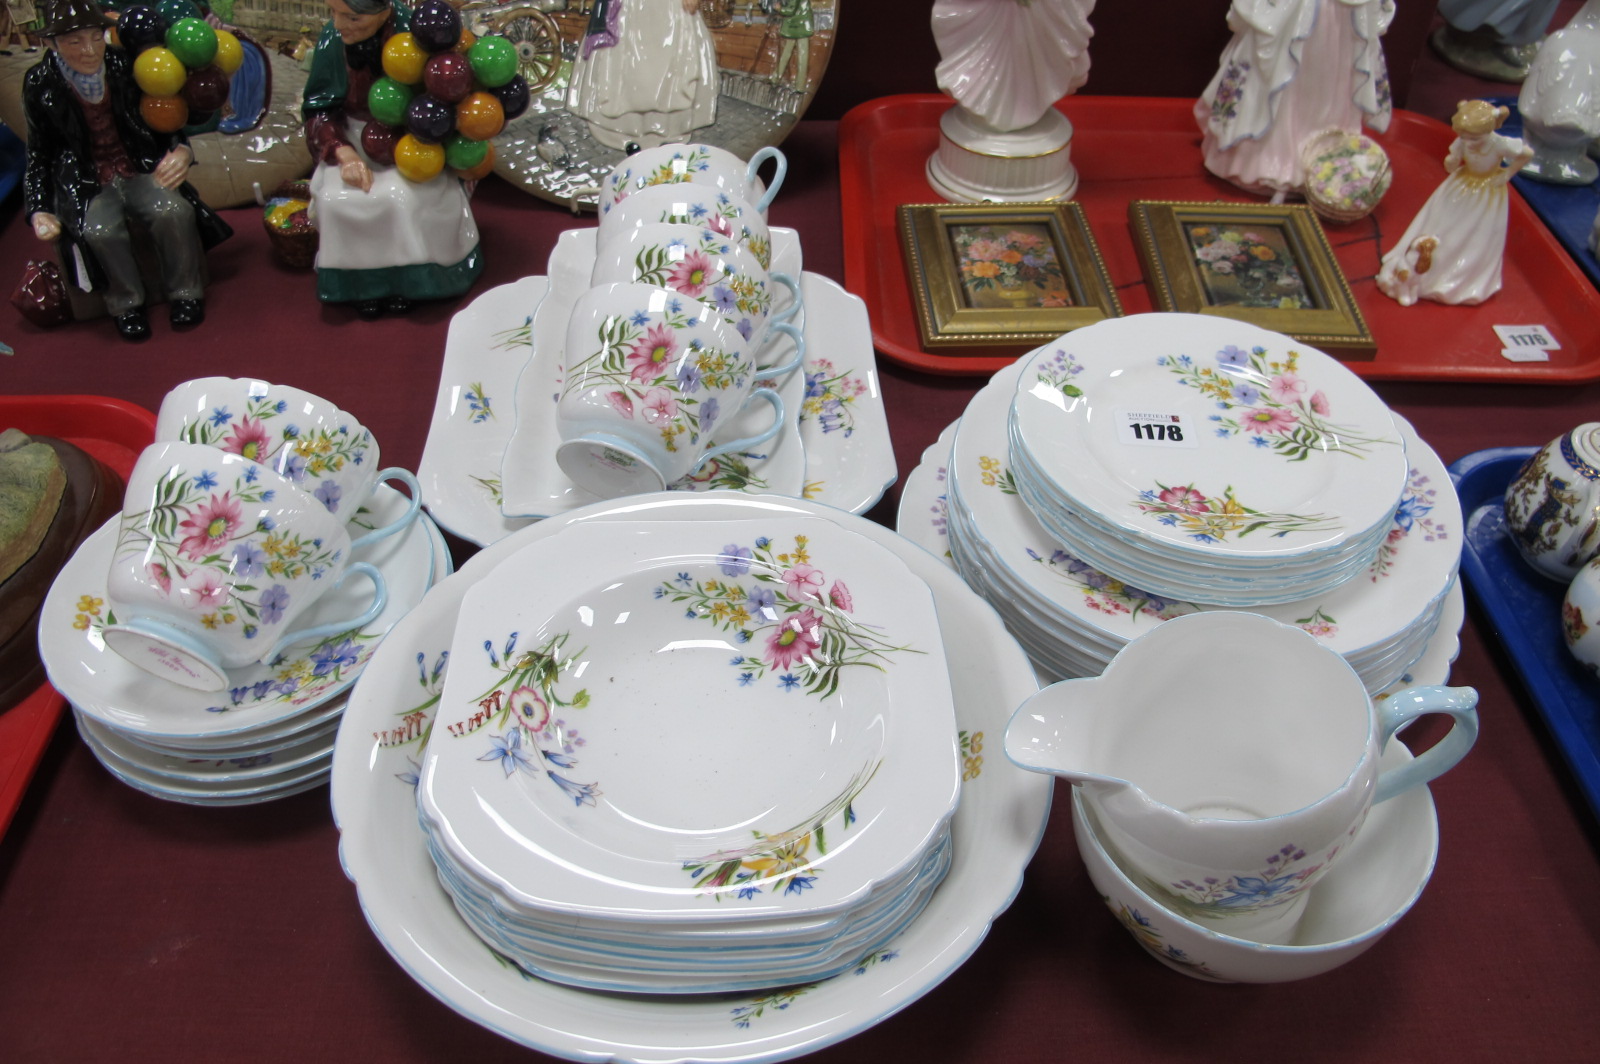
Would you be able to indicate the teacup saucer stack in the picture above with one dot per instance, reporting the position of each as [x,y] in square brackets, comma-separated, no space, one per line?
[693,756]
[206,637]
[1162,464]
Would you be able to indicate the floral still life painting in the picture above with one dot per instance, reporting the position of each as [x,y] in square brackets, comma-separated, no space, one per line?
[1009,266]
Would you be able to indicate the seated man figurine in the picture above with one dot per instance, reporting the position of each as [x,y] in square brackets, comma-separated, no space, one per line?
[93,163]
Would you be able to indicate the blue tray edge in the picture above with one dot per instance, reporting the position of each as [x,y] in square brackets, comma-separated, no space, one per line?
[1566,695]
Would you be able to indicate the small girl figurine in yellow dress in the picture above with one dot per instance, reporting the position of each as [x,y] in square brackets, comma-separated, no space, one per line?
[1452,250]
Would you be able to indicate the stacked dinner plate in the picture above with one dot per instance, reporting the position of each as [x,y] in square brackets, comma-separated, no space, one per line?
[1074,586]
[271,733]
[1206,459]
[685,755]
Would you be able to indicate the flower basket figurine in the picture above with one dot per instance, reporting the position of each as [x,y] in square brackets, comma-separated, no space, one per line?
[1346,174]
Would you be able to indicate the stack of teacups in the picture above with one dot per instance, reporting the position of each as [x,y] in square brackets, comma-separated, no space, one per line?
[1224,810]
[693,756]
[216,622]
[684,326]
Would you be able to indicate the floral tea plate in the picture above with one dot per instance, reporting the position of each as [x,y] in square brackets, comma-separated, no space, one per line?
[1209,438]
[1415,564]
[100,683]
[794,671]
[218,771]
[924,517]
[995,832]
[843,425]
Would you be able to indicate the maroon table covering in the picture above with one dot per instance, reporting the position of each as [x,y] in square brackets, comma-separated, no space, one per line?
[133,929]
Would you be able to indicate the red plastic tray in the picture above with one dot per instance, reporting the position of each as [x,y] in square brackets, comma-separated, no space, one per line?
[113,432]
[1128,148]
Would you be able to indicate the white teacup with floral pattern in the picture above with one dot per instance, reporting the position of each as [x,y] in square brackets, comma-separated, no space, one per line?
[699,262]
[685,204]
[216,557]
[650,377]
[1229,759]
[318,447]
[696,164]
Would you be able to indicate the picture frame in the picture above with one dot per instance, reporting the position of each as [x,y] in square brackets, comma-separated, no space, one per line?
[1268,264]
[1003,274]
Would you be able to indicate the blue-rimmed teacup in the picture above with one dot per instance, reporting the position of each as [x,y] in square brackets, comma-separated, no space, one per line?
[217,557]
[651,377]
[706,265]
[310,441]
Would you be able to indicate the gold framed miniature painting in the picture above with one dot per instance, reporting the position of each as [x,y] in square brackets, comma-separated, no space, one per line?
[1268,264]
[1003,274]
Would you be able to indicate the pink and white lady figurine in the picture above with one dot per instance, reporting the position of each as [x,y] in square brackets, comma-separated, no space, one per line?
[1293,69]
[1452,250]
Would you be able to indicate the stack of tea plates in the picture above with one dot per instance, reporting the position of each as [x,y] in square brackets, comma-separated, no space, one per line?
[693,756]
[271,733]
[1205,459]
[1073,616]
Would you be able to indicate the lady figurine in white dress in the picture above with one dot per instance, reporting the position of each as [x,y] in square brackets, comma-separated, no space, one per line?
[646,73]
[1006,63]
[1452,250]
[1009,61]
[1293,69]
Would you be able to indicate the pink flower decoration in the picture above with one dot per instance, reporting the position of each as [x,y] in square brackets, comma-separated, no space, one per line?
[1319,402]
[1269,420]
[660,406]
[692,274]
[804,582]
[620,403]
[839,595]
[159,573]
[1287,388]
[721,224]
[797,638]
[650,354]
[205,591]
[1185,500]
[532,711]
[249,438]
[209,527]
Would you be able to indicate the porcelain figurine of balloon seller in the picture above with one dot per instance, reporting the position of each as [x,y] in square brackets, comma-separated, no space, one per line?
[399,118]
[95,162]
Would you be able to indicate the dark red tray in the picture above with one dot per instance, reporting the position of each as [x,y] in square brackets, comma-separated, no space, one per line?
[114,432]
[1128,148]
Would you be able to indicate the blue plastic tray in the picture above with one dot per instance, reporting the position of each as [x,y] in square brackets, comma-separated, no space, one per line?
[1526,610]
[1567,210]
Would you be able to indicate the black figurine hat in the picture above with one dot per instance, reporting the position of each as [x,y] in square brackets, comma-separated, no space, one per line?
[64,16]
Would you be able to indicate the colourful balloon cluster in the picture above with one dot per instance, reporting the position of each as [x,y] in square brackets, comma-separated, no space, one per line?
[443,95]
[180,62]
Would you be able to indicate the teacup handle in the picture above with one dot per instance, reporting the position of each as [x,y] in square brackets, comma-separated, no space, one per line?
[1403,707]
[785,329]
[776,402]
[756,160]
[796,300]
[404,520]
[380,599]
